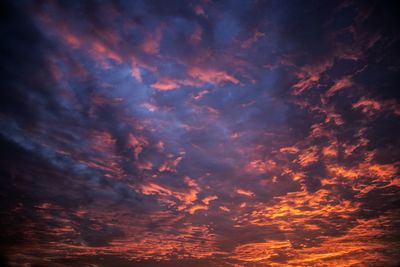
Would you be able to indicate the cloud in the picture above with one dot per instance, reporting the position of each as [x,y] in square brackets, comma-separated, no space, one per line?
[244,192]
[212,76]
[158,133]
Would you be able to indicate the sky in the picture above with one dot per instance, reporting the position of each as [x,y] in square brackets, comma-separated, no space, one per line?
[199,133]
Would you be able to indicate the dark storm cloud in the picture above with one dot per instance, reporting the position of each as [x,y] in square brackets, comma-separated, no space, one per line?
[26,93]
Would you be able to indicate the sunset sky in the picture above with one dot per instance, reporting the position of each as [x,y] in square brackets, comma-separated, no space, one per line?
[160,133]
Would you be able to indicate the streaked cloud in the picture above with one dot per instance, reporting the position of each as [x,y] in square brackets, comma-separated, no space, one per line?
[199,133]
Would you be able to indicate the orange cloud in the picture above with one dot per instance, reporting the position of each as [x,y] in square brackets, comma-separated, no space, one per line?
[290,150]
[308,156]
[331,150]
[136,72]
[181,198]
[260,252]
[101,51]
[368,106]
[224,208]
[371,106]
[171,163]
[208,199]
[260,166]
[153,188]
[360,245]
[166,85]
[244,192]
[195,208]
[309,76]
[137,143]
[212,76]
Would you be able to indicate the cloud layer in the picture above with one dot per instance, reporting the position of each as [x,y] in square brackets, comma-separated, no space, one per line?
[199,133]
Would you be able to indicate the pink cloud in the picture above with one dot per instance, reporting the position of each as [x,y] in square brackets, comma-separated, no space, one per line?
[211,76]
[340,84]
